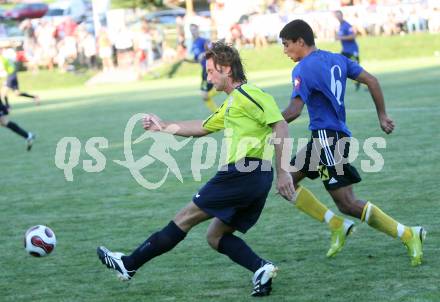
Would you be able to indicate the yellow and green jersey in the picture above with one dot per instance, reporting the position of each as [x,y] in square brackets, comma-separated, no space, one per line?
[8,65]
[246,116]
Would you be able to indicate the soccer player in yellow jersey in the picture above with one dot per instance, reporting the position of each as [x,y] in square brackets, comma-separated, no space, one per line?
[12,83]
[235,196]
[319,81]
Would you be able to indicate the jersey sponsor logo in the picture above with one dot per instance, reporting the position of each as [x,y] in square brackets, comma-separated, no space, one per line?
[297,83]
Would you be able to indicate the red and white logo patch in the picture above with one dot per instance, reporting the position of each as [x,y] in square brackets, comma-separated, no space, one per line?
[297,83]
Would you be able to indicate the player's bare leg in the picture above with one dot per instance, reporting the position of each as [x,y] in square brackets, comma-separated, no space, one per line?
[411,237]
[307,202]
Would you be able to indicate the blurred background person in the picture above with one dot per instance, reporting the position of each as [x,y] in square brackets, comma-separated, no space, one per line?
[347,36]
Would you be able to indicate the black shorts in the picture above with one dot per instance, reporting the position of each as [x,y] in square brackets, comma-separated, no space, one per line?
[3,109]
[12,81]
[236,198]
[326,156]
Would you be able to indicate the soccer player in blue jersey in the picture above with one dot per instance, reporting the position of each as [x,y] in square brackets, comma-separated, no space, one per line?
[347,36]
[319,81]
[234,197]
[198,50]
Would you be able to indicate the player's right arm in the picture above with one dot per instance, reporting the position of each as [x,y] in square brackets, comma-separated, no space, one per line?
[152,122]
[386,123]
[293,111]
[300,94]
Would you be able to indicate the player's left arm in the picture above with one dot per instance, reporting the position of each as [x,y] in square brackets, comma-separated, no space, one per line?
[283,149]
[386,123]
[348,35]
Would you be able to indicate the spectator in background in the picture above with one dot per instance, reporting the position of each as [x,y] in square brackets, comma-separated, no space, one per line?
[347,36]
[89,47]
[46,40]
[434,21]
[143,44]
[124,47]
[105,49]
[236,35]
[248,32]
[273,7]
[260,30]
[29,35]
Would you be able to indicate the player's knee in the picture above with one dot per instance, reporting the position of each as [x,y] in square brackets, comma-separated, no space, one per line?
[213,239]
[344,207]
[184,220]
[346,204]
[189,217]
[3,122]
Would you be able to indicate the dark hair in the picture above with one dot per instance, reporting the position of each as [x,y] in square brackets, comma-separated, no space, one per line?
[298,29]
[225,55]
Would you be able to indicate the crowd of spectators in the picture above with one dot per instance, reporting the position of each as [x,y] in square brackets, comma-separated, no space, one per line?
[68,45]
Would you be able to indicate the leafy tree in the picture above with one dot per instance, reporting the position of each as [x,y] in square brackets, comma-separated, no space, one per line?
[136,3]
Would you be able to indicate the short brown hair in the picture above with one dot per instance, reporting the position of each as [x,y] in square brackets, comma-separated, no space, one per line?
[225,55]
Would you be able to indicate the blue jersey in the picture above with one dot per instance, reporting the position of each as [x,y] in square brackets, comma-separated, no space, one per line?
[350,47]
[198,49]
[319,80]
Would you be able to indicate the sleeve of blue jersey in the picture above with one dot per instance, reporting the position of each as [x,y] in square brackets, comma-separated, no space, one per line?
[301,90]
[353,69]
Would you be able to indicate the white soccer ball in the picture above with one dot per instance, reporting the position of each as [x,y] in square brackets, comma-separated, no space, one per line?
[39,241]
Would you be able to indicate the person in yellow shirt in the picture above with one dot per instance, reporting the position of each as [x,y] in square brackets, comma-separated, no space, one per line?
[234,198]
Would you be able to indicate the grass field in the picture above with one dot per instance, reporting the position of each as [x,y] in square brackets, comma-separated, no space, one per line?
[110,208]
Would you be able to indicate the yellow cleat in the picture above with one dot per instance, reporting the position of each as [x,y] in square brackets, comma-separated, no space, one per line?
[415,245]
[338,237]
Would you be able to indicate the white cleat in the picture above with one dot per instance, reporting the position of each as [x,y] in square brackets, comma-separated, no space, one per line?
[262,280]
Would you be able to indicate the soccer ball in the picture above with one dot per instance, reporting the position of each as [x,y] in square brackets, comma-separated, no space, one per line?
[39,241]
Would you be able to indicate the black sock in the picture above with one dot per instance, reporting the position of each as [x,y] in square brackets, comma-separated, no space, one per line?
[27,95]
[239,252]
[14,127]
[157,244]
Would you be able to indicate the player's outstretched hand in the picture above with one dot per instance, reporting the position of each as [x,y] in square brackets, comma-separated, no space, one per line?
[285,186]
[152,122]
[386,124]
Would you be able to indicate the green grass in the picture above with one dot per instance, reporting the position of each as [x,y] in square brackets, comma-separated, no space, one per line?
[110,208]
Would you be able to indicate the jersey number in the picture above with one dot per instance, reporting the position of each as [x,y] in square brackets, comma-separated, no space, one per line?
[336,85]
